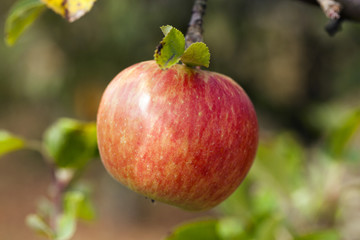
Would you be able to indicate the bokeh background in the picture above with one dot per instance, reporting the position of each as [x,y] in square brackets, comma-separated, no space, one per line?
[302,82]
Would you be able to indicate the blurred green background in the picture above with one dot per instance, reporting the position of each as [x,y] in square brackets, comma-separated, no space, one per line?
[304,84]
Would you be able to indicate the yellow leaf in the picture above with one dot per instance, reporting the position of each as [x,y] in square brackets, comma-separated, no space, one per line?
[71,10]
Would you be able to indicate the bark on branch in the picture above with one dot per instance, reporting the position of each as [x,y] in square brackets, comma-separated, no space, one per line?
[195,30]
[337,11]
[331,8]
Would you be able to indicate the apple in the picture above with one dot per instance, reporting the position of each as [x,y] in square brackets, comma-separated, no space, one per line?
[183,136]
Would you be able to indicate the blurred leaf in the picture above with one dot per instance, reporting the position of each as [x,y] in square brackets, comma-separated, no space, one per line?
[9,143]
[21,16]
[267,229]
[251,200]
[71,143]
[231,228]
[73,202]
[324,117]
[202,230]
[170,49]
[264,201]
[327,234]
[71,10]
[86,209]
[341,136]
[36,223]
[66,227]
[240,202]
[45,208]
[279,164]
[197,54]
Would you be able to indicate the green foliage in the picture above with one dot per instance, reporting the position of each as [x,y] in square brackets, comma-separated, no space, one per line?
[80,196]
[341,136]
[9,143]
[328,235]
[172,49]
[280,194]
[197,54]
[36,223]
[278,163]
[21,16]
[231,228]
[71,143]
[76,205]
[227,228]
[201,230]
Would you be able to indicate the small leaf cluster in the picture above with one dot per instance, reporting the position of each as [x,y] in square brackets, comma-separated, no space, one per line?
[172,49]
[76,205]
[68,146]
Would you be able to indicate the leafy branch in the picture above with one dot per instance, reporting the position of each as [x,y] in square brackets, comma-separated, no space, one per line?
[67,147]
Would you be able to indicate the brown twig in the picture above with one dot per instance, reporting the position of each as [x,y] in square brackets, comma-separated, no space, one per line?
[195,30]
[331,8]
[334,26]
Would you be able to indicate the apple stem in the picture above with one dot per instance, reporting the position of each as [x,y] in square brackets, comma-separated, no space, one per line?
[195,29]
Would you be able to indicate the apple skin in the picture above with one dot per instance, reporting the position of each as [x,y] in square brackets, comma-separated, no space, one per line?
[183,136]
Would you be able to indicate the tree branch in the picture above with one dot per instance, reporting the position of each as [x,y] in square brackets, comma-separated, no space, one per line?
[337,11]
[195,30]
[350,9]
[334,26]
[331,8]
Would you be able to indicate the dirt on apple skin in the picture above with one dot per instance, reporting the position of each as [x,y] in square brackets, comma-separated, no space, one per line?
[182,136]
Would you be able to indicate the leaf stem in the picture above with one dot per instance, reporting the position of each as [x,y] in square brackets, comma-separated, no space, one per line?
[195,29]
[61,179]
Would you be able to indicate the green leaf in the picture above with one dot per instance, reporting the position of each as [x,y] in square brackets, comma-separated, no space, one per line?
[71,143]
[267,229]
[21,16]
[86,209]
[341,136]
[197,54]
[327,234]
[166,29]
[240,202]
[9,143]
[66,227]
[77,204]
[36,223]
[231,228]
[67,222]
[279,164]
[171,48]
[202,230]
[45,208]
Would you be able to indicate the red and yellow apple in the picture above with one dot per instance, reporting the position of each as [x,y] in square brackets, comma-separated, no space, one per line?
[183,136]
